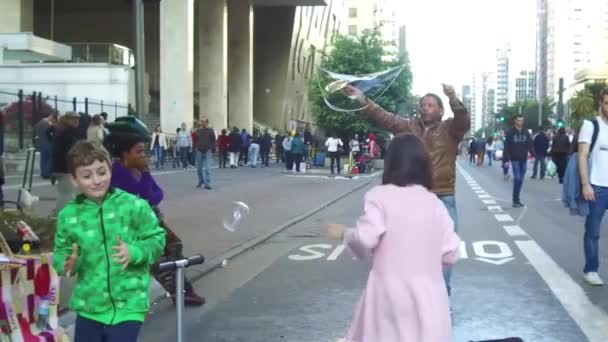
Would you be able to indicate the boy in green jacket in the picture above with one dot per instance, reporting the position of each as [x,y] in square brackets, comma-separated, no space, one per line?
[108,238]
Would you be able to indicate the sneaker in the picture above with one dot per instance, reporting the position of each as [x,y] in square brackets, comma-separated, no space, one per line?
[518,205]
[593,279]
[207,187]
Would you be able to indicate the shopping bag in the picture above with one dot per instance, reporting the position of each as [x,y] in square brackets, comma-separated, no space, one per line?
[20,300]
[551,169]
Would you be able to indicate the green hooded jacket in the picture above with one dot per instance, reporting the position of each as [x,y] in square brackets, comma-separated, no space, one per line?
[104,292]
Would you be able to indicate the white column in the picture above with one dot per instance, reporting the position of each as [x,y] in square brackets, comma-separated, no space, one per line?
[176,63]
[240,64]
[213,63]
[16,16]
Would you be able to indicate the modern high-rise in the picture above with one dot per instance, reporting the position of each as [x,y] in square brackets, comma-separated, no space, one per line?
[502,77]
[402,41]
[467,101]
[374,14]
[542,32]
[488,98]
[525,85]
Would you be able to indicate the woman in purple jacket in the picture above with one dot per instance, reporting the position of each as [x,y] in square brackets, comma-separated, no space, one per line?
[130,173]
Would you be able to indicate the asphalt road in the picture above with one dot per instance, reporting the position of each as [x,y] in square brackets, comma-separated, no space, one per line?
[520,275]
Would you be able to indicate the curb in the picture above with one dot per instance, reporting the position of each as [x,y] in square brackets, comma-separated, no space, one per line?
[215,263]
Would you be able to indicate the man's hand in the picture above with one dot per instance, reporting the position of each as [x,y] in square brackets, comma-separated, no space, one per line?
[449,91]
[70,262]
[355,94]
[333,231]
[122,255]
[588,193]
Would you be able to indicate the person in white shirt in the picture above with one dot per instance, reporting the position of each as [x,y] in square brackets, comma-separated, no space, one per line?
[333,143]
[595,185]
[287,150]
[355,147]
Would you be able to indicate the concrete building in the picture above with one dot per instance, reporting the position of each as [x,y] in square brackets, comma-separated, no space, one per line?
[402,40]
[374,14]
[239,63]
[525,85]
[502,77]
[467,101]
[476,102]
[542,33]
[488,98]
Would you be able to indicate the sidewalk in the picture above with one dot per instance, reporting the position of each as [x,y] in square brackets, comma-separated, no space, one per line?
[196,214]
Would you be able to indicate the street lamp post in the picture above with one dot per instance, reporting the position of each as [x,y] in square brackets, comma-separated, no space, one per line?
[140,67]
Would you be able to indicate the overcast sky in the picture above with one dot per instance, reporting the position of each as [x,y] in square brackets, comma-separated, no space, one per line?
[448,40]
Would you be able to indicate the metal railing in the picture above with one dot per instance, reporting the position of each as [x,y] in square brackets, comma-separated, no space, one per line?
[105,53]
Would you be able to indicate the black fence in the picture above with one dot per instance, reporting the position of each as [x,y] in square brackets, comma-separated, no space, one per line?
[21,110]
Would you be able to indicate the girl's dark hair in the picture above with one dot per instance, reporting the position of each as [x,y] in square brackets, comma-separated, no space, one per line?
[561,131]
[119,143]
[407,162]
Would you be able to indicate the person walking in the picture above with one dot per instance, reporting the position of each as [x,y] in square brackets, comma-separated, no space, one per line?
[66,136]
[265,146]
[235,147]
[158,147]
[355,147]
[490,150]
[517,146]
[298,149]
[403,220]
[42,143]
[480,150]
[541,145]
[560,149]
[223,145]
[333,145]
[287,142]
[472,151]
[254,150]
[183,143]
[96,131]
[593,166]
[278,146]
[205,147]
[441,138]
[246,141]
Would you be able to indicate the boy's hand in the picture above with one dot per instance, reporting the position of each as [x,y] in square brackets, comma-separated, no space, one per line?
[333,231]
[70,262]
[122,255]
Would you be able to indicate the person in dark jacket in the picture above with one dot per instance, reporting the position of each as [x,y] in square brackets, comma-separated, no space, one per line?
[517,146]
[278,143]
[541,145]
[245,144]
[66,136]
[559,152]
[223,145]
[298,149]
[472,151]
[265,142]
[235,147]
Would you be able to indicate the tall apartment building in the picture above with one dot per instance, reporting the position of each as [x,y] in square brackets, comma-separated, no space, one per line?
[502,77]
[542,32]
[467,98]
[488,98]
[374,14]
[525,85]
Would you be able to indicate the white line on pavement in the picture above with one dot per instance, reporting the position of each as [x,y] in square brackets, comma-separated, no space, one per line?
[503,218]
[488,201]
[494,208]
[515,231]
[484,196]
[591,319]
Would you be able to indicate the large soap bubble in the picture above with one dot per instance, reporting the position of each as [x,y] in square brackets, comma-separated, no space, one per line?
[373,86]
[238,211]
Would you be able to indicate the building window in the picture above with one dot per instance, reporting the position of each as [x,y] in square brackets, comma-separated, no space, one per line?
[352,30]
[352,12]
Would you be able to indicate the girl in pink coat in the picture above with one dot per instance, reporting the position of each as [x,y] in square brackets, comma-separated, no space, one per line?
[409,234]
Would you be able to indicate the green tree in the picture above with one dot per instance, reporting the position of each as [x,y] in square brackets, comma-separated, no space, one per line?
[360,55]
[585,103]
[529,109]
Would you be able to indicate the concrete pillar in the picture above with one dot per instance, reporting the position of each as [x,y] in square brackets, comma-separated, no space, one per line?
[213,63]
[176,63]
[16,16]
[240,64]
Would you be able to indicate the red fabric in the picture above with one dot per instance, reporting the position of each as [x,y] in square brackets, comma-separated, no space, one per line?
[42,283]
[223,142]
[193,136]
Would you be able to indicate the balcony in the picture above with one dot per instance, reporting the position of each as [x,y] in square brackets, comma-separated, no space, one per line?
[113,54]
[26,47]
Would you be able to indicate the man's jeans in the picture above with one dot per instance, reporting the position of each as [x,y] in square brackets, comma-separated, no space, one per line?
[46,161]
[542,160]
[183,155]
[519,174]
[158,157]
[203,162]
[592,228]
[254,150]
[450,203]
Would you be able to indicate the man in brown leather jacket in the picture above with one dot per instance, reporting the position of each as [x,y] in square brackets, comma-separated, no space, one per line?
[441,138]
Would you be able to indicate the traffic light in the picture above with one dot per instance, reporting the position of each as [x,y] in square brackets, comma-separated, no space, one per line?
[501,119]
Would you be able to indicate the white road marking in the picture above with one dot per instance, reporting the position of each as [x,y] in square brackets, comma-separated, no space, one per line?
[486,196]
[496,262]
[481,192]
[480,250]
[336,253]
[463,250]
[503,218]
[515,231]
[591,319]
[489,201]
[494,208]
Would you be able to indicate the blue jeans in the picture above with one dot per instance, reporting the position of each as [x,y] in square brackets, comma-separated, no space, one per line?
[88,330]
[158,156]
[542,160]
[490,155]
[183,156]
[450,203]
[203,163]
[254,149]
[519,174]
[592,228]
[45,161]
